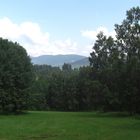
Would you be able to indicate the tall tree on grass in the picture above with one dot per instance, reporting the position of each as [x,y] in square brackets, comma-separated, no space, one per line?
[117,63]
[15,76]
[128,39]
[102,60]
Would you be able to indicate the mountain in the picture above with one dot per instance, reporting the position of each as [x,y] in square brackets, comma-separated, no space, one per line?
[57,60]
[81,63]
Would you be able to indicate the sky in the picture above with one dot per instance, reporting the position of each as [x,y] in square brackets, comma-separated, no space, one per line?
[54,27]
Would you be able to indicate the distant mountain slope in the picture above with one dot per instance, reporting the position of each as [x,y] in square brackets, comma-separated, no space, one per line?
[56,60]
[81,63]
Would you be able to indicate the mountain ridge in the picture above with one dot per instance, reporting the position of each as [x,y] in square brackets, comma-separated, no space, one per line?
[59,60]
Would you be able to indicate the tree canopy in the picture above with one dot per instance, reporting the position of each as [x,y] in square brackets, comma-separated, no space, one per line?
[15,76]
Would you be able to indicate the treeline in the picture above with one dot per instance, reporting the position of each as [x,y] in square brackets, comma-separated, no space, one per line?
[111,83]
[56,89]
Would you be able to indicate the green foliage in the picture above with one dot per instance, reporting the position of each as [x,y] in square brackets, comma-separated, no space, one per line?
[66,67]
[15,76]
[117,64]
[110,83]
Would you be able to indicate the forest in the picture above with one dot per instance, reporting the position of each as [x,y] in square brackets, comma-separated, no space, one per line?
[110,83]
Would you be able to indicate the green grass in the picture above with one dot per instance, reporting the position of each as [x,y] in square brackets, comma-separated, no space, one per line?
[69,126]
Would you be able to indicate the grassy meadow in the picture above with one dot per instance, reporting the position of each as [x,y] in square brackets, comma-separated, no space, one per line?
[69,126]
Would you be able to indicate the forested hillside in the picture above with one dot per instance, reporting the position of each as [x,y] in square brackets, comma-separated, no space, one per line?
[56,60]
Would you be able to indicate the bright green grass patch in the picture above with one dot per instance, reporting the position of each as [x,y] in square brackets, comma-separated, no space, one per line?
[69,126]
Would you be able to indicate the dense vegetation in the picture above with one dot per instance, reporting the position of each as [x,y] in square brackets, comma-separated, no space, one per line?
[111,83]
[69,126]
[15,77]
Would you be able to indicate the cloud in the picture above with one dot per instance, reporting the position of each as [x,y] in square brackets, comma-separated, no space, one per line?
[91,34]
[28,34]
[34,40]
[64,46]
[38,42]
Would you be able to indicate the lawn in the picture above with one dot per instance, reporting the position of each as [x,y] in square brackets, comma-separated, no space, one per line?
[69,126]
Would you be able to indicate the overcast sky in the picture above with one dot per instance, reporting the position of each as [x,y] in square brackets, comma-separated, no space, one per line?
[60,26]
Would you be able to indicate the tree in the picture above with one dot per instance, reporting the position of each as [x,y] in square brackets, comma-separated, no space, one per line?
[116,64]
[128,40]
[66,67]
[128,34]
[15,76]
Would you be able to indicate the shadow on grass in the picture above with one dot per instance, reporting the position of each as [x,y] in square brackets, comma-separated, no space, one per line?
[40,137]
[133,126]
[14,113]
[106,114]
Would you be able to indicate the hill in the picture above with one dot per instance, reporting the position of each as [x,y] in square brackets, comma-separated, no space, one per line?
[81,63]
[59,60]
